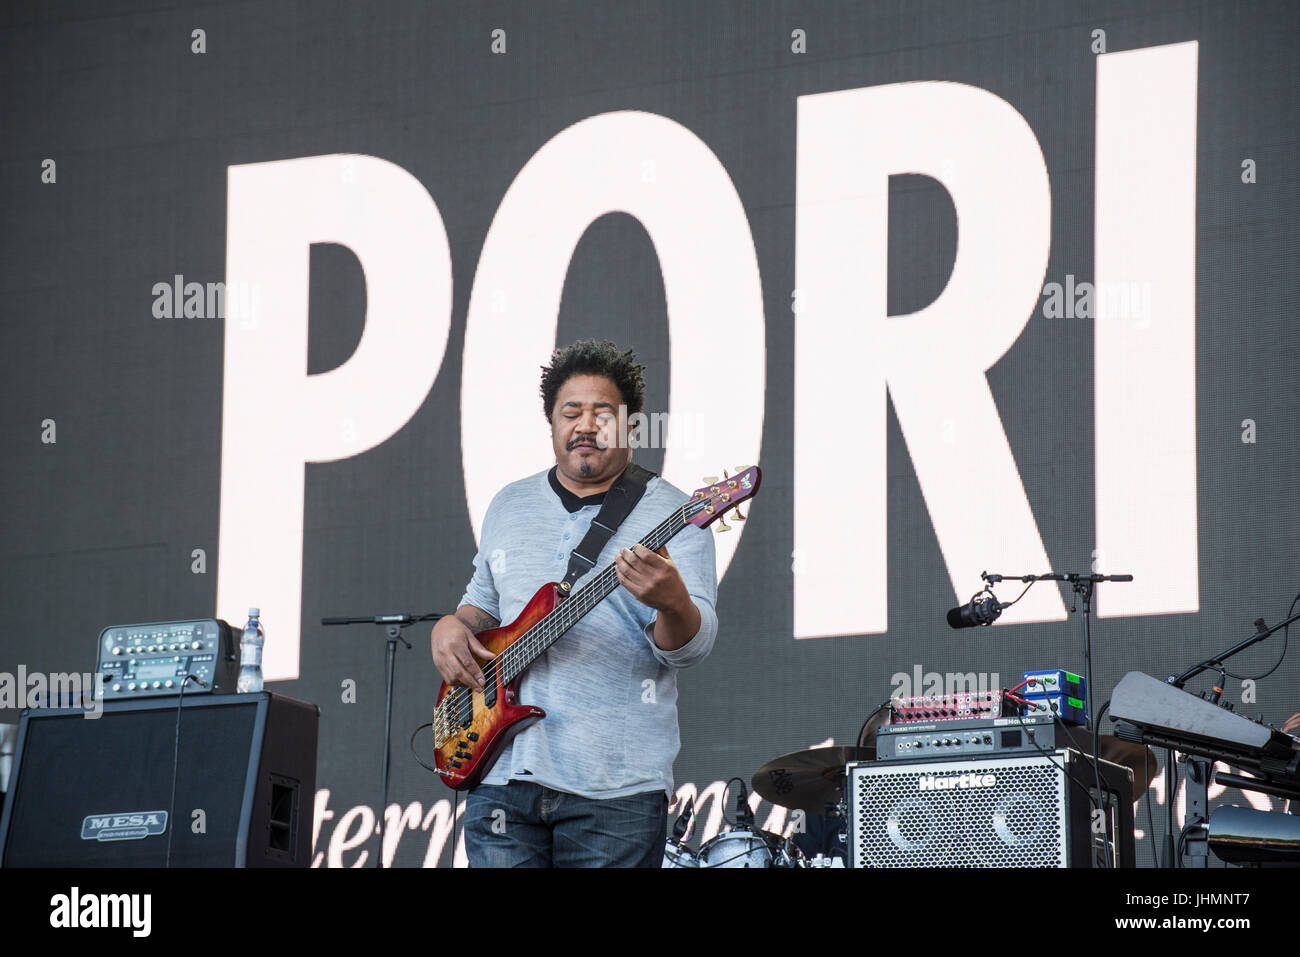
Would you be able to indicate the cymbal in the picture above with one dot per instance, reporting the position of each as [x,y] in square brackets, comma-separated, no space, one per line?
[808,780]
[868,740]
[1128,754]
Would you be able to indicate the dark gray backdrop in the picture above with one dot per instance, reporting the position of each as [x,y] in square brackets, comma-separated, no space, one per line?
[99,527]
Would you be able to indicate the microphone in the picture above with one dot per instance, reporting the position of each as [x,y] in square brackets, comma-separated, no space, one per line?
[980,610]
[683,821]
[744,816]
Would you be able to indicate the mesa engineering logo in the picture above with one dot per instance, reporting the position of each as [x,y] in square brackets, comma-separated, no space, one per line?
[929,782]
[123,827]
[75,909]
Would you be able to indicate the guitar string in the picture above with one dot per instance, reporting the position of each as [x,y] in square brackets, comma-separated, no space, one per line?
[540,642]
[537,639]
[562,618]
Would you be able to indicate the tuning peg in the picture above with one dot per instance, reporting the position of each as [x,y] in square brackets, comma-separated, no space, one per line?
[722,525]
[740,516]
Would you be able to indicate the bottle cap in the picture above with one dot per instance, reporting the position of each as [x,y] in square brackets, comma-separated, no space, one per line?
[254,612]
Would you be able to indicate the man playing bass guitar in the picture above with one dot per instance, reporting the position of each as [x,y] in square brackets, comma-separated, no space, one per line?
[587,785]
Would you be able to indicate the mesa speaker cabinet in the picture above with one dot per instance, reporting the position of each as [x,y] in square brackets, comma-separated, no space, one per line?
[1012,811]
[91,792]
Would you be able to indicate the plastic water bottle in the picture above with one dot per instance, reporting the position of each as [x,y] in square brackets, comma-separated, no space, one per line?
[250,654]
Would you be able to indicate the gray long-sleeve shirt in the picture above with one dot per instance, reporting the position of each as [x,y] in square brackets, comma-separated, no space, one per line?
[610,693]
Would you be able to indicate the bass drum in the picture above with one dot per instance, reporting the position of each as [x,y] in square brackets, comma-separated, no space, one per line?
[739,847]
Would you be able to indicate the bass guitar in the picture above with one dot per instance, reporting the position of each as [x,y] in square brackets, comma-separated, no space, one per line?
[471,727]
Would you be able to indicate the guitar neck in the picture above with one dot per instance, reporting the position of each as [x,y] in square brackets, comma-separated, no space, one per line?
[533,644]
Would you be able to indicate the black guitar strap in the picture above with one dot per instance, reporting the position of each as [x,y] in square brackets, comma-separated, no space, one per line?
[619,502]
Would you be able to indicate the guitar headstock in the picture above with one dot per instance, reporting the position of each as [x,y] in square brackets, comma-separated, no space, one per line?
[722,495]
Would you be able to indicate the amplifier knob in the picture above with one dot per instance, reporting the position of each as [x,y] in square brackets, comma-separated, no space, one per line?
[196,644]
[172,647]
[168,683]
[131,686]
[157,684]
[117,650]
[153,647]
[117,687]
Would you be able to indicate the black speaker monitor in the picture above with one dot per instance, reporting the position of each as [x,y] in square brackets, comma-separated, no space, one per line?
[87,792]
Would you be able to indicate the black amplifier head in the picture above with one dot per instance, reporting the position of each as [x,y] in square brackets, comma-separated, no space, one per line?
[140,661]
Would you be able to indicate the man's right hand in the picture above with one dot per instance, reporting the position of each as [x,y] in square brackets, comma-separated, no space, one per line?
[455,649]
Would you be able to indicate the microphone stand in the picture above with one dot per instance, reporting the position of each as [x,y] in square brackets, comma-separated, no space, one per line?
[393,625]
[1082,585]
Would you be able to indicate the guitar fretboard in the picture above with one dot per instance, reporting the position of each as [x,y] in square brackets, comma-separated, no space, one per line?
[515,660]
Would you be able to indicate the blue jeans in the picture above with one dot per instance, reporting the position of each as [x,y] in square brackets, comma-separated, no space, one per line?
[521,824]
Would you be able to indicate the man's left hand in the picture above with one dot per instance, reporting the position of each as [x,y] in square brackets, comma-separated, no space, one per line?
[652,578]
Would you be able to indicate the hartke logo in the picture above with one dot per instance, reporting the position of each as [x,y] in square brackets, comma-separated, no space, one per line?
[929,782]
[129,826]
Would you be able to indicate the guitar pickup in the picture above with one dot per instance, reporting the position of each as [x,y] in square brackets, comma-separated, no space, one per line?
[465,709]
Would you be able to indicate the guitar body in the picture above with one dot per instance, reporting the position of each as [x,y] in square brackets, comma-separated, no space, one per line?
[495,714]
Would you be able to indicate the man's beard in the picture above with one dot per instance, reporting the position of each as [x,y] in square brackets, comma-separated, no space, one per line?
[585,469]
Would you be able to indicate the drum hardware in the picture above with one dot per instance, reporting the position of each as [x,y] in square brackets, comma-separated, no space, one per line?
[676,853]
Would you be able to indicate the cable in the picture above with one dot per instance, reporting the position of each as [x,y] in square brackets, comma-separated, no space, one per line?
[415,754]
[1286,637]
[1182,836]
[176,760]
[1051,757]
[722,800]
[455,841]
[1171,806]
[861,731]
[1096,770]
[1151,822]
[1099,800]
[455,807]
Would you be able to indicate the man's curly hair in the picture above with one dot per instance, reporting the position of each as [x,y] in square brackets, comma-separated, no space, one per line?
[595,357]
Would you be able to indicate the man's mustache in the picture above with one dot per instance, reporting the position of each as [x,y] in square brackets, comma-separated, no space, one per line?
[582,440]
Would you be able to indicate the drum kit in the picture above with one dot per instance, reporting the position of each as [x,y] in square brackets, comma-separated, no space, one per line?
[812,781]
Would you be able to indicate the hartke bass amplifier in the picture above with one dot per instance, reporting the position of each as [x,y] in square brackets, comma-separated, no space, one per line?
[1012,811]
[95,792]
